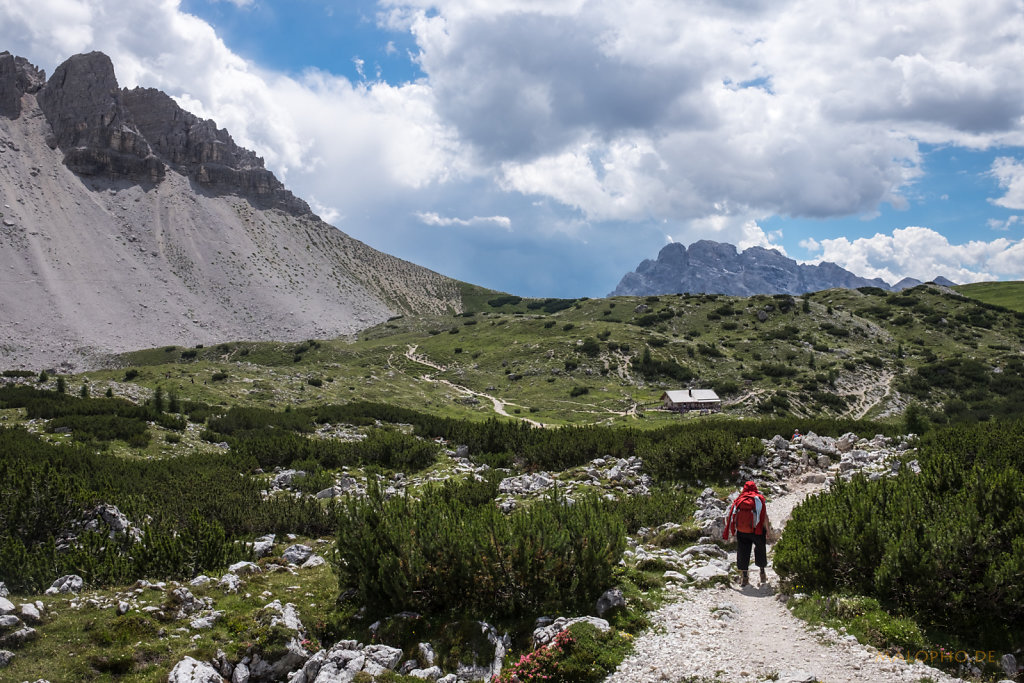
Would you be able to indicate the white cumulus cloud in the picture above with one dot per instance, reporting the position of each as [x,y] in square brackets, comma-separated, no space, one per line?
[433,218]
[1009,173]
[925,254]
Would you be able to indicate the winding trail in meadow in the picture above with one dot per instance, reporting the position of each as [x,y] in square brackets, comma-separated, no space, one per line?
[730,634]
[500,406]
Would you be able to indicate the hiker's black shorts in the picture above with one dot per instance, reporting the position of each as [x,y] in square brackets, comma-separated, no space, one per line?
[743,544]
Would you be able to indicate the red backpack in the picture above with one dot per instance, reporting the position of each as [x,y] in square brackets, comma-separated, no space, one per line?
[744,514]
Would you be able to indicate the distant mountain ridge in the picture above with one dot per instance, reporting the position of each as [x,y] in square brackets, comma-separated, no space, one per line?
[709,267]
[127,223]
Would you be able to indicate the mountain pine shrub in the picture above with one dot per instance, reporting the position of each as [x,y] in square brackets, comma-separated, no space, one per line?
[946,544]
[449,553]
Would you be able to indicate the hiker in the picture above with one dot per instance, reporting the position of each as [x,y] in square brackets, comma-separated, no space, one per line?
[748,519]
[797,435]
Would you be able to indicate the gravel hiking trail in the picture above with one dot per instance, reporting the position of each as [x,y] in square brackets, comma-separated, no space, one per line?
[731,634]
[500,407]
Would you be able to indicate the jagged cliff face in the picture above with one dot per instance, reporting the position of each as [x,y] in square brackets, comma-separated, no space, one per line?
[716,268]
[126,222]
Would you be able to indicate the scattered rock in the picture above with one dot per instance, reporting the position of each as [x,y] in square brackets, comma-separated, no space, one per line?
[610,600]
[708,572]
[244,568]
[1008,664]
[431,673]
[19,637]
[284,479]
[263,546]
[5,658]
[796,677]
[71,583]
[427,654]
[207,621]
[190,670]
[545,634]
[313,561]
[526,483]
[475,671]
[30,614]
[297,554]
[380,658]
[230,583]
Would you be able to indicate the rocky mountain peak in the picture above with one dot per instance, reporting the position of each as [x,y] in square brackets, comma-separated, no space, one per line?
[17,77]
[82,103]
[137,134]
[208,155]
[718,268]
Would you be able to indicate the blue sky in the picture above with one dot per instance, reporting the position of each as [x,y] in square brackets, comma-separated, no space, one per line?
[545,147]
[294,35]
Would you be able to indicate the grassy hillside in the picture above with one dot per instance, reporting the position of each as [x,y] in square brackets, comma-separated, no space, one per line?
[1007,294]
[839,353]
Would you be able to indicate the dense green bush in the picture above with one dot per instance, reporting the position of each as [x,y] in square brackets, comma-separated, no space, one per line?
[89,419]
[550,305]
[985,394]
[664,504]
[777,369]
[193,508]
[241,419]
[947,544]
[382,447]
[506,299]
[652,368]
[445,554]
[45,489]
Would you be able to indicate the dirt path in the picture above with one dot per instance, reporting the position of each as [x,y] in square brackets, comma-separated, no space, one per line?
[500,407]
[729,634]
[411,354]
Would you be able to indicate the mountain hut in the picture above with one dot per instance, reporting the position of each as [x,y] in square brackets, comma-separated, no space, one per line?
[683,400]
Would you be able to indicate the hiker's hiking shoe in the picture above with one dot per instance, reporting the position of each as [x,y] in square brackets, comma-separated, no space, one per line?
[744,581]
[764,577]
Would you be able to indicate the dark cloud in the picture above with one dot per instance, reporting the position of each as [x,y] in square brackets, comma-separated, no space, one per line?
[520,85]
